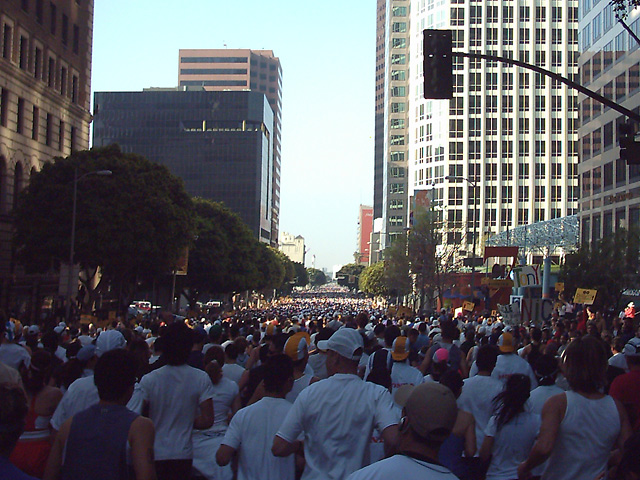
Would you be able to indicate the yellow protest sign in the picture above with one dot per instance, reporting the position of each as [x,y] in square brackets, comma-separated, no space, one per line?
[560,287]
[468,306]
[585,296]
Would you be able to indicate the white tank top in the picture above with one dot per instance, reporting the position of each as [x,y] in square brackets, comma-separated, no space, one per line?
[586,437]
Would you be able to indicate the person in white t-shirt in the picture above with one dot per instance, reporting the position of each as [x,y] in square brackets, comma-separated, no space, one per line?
[429,414]
[509,362]
[511,433]
[297,349]
[251,431]
[401,372]
[231,369]
[337,415]
[178,398]
[226,402]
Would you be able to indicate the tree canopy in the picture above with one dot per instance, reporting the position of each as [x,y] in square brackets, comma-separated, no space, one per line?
[133,224]
[316,277]
[372,280]
[348,275]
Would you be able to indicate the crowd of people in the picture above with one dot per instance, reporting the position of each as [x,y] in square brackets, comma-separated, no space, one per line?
[323,387]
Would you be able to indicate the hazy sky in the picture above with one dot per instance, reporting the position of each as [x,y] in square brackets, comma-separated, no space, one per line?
[327,52]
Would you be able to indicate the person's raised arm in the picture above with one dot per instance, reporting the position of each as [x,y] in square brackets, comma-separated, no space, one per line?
[141,439]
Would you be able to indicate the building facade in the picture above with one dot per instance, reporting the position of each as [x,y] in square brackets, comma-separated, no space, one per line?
[219,143]
[45,88]
[392,117]
[509,136]
[365,229]
[610,65]
[240,70]
[292,246]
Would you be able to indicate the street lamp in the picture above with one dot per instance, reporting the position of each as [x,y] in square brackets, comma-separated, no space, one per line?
[475,220]
[72,248]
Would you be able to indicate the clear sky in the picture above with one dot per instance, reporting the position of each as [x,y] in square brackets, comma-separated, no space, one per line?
[327,52]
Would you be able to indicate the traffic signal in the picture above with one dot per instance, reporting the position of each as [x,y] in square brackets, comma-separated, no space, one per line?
[629,148]
[438,79]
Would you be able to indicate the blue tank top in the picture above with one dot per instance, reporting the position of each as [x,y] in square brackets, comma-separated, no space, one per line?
[450,455]
[97,444]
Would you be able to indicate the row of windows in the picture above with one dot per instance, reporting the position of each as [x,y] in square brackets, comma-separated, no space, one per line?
[601,24]
[506,172]
[54,21]
[213,71]
[27,120]
[604,177]
[213,83]
[214,60]
[616,90]
[491,14]
[474,127]
[30,56]
[597,226]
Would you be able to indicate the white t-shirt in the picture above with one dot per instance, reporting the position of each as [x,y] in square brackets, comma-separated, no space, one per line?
[233,371]
[404,374]
[318,362]
[174,394]
[298,385]
[540,395]
[225,393]
[251,433]
[14,355]
[619,360]
[508,364]
[477,398]
[512,444]
[337,417]
[402,466]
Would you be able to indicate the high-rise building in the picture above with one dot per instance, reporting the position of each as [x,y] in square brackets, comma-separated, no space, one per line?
[292,246]
[365,228]
[609,64]
[219,143]
[239,70]
[509,135]
[391,117]
[45,75]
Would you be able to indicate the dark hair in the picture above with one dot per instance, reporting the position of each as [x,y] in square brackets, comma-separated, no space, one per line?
[214,353]
[114,374]
[13,410]
[362,319]
[546,369]
[536,334]
[279,369]
[453,380]
[390,334]
[510,402]
[449,330]
[380,372]
[585,364]
[231,351]
[486,358]
[36,376]
[178,341]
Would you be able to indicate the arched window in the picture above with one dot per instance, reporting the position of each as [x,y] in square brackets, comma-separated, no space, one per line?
[17,183]
[3,185]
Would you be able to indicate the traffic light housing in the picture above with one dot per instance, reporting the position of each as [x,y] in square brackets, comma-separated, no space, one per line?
[629,148]
[438,77]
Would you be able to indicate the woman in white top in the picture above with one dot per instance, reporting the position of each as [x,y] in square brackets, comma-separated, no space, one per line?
[511,432]
[580,427]
[226,402]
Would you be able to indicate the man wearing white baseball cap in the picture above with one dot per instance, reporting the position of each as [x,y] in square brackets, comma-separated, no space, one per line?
[337,415]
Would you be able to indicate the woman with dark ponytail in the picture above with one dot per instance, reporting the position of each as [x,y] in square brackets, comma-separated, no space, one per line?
[511,432]
[32,451]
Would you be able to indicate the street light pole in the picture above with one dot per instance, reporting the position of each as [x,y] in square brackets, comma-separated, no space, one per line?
[475,228]
[72,246]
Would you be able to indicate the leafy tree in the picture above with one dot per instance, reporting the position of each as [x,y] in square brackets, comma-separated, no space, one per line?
[133,224]
[273,267]
[397,277]
[623,7]
[347,271]
[372,280]
[301,278]
[609,265]
[316,277]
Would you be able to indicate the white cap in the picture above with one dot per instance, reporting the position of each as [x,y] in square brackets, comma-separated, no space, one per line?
[109,340]
[346,342]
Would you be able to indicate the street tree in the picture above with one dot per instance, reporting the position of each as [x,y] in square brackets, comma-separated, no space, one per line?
[609,265]
[348,275]
[372,280]
[301,276]
[316,277]
[397,277]
[131,226]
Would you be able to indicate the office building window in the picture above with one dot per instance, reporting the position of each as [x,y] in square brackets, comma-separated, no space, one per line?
[20,116]
[35,123]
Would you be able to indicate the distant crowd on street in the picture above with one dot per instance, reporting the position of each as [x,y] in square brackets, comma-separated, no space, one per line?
[323,386]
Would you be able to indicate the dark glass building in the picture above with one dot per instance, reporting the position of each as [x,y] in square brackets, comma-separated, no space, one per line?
[219,143]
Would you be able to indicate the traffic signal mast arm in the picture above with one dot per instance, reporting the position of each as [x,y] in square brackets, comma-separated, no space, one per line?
[609,103]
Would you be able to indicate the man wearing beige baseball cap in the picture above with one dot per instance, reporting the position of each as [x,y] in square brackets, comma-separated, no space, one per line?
[337,415]
[428,415]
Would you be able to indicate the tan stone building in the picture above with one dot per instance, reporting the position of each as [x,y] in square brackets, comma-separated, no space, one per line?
[45,74]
